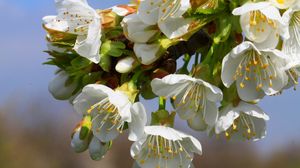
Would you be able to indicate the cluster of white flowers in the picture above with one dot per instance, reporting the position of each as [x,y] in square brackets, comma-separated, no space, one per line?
[136,39]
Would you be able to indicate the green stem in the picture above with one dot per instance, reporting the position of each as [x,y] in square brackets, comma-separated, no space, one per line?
[196,59]
[186,60]
[134,79]
[162,103]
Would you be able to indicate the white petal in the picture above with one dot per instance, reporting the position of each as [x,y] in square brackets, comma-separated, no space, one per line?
[165,132]
[249,92]
[137,147]
[213,93]
[90,95]
[270,42]
[192,144]
[170,85]
[252,110]
[250,7]
[138,122]
[232,60]
[176,9]
[260,128]
[197,123]
[187,110]
[136,30]
[147,12]
[211,113]
[51,22]
[105,133]
[89,45]
[226,119]
[147,53]
[174,27]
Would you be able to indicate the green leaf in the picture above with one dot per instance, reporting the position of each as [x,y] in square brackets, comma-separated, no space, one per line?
[105,63]
[80,62]
[112,48]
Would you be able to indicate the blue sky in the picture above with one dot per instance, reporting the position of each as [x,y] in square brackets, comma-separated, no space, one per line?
[24,77]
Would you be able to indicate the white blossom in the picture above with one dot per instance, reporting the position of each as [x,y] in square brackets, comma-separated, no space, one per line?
[195,100]
[110,110]
[77,17]
[246,121]
[256,72]
[165,147]
[291,45]
[261,23]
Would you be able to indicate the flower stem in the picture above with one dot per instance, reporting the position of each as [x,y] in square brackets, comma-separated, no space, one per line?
[134,79]
[162,103]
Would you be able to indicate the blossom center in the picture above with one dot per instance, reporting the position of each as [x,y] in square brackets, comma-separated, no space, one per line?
[243,124]
[257,68]
[259,21]
[109,114]
[162,150]
[167,7]
[194,96]
[280,1]
[76,22]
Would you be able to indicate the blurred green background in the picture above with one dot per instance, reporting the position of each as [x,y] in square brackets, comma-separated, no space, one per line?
[35,129]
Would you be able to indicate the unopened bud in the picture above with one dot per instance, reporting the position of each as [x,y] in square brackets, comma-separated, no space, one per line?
[98,149]
[77,144]
[125,65]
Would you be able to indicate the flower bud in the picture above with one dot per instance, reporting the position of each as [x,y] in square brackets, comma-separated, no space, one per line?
[126,65]
[77,144]
[60,87]
[98,149]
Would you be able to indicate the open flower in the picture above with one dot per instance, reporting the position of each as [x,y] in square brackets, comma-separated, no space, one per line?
[165,147]
[261,23]
[167,15]
[246,121]
[195,100]
[77,17]
[110,110]
[257,72]
[291,46]
[283,4]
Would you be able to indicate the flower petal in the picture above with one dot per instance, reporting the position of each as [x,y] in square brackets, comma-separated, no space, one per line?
[197,123]
[174,27]
[170,85]
[226,119]
[138,121]
[136,30]
[147,53]
[148,12]
[89,45]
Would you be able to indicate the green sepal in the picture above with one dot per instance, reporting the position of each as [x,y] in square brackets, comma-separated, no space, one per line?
[162,117]
[112,48]
[105,63]
[80,62]
[86,127]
